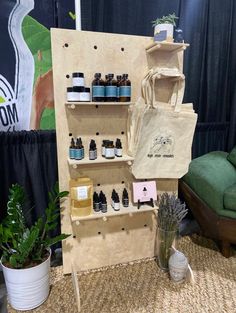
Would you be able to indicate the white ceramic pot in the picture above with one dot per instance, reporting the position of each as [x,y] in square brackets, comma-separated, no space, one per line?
[27,288]
[164,32]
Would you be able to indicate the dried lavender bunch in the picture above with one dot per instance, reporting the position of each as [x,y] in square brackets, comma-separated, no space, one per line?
[171,212]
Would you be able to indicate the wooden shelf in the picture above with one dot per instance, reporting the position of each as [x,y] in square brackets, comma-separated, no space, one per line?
[166,46]
[99,160]
[110,213]
[73,105]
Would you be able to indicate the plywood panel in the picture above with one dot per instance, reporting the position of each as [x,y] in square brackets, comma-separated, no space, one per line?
[122,238]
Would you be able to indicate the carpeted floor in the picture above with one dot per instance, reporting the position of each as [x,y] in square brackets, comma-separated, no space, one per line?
[143,288]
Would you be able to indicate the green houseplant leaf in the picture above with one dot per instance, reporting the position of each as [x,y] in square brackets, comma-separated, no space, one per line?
[168,19]
[22,246]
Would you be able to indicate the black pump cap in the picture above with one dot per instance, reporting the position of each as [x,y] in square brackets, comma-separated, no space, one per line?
[97,75]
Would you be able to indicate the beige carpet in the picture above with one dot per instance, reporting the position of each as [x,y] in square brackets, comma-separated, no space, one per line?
[143,288]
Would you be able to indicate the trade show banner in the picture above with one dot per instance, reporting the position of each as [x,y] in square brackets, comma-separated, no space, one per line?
[26,87]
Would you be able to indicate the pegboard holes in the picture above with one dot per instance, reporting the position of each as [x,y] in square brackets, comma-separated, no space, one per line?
[97,133]
[99,233]
[98,185]
[122,49]
[122,182]
[96,106]
[74,236]
[145,225]
[67,76]
[122,228]
[95,47]
[70,134]
[122,133]
[66,45]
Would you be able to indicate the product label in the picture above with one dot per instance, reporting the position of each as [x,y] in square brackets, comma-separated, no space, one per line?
[82,193]
[78,81]
[125,91]
[78,154]
[118,92]
[110,152]
[92,154]
[119,152]
[110,91]
[72,153]
[98,91]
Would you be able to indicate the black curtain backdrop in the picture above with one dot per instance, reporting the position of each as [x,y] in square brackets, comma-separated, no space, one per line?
[29,159]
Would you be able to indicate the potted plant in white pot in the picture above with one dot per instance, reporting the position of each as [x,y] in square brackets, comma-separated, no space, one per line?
[26,250]
[164,27]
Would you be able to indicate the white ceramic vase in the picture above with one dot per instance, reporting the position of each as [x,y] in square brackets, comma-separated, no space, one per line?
[161,29]
[27,288]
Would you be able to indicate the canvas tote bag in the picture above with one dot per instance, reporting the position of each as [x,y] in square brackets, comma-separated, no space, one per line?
[163,133]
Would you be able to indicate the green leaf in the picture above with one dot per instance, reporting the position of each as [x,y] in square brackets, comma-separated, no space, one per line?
[51,241]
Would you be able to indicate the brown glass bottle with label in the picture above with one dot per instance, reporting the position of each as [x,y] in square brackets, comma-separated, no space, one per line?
[98,88]
[125,89]
[110,89]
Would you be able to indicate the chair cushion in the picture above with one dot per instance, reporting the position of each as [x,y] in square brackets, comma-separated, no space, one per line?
[230,198]
[209,176]
[232,156]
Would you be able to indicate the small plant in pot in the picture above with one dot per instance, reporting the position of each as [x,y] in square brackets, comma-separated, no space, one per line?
[164,27]
[170,213]
[26,250]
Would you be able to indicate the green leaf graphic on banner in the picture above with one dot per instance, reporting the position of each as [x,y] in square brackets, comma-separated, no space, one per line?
[48,119]
[2,100]
[38,39]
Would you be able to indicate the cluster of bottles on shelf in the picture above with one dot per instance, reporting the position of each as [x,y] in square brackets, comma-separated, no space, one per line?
[108,90]
[111,90]
[109,151]
[100,201]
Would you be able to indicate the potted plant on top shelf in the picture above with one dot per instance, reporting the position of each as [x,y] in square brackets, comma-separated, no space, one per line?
[26,250]
[164,27]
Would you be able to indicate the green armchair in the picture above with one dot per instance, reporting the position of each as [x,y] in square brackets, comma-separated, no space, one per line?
[209,189]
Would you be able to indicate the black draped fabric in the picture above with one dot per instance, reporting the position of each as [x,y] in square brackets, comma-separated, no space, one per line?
[210,62]
[29,159]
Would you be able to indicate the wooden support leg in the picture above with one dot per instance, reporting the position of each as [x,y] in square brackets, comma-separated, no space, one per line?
[76,287]
[225,249]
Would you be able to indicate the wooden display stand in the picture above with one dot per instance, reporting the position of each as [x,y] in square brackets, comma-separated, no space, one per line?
[114,237]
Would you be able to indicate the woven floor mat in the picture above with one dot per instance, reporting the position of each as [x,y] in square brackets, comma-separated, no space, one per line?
[142,287]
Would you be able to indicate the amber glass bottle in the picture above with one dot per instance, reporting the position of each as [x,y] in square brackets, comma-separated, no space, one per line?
[98,88]
[110,89]
[125,89]
[118,79]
